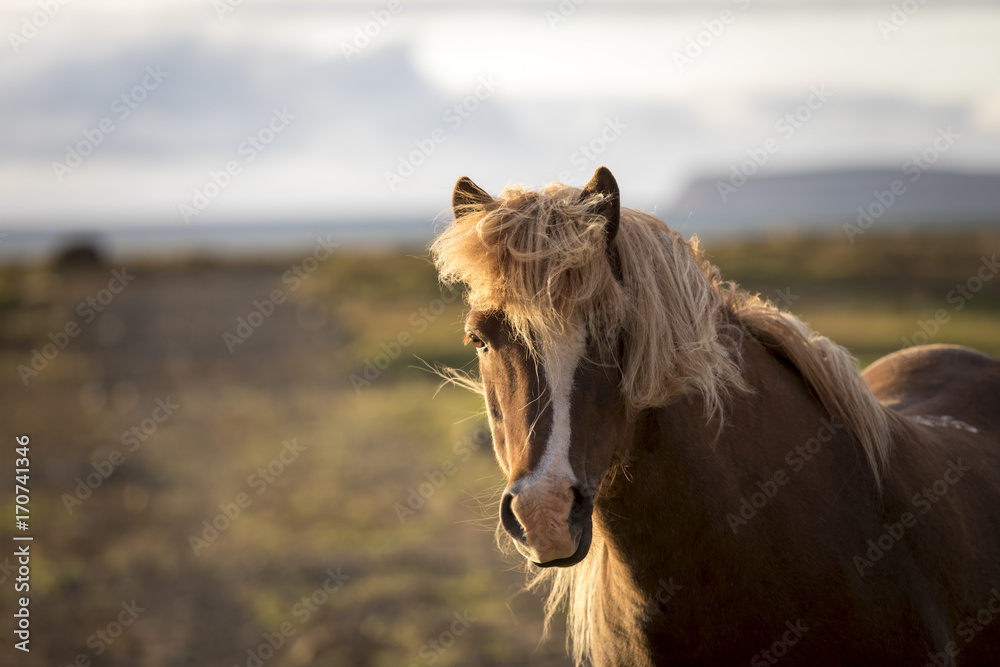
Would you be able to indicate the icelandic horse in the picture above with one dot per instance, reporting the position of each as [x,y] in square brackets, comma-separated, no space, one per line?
[701,478]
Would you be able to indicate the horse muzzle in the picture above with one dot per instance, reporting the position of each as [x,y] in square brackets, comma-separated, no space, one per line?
[551,522]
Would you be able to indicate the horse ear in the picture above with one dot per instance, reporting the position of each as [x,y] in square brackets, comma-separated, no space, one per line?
[468,194]
[610,206]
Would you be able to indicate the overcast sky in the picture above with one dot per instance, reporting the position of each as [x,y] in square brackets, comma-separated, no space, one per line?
[217,111]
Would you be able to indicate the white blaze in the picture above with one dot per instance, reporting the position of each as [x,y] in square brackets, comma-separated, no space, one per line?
[559,362]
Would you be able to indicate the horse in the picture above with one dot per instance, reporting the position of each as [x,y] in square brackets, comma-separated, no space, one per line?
[694,475]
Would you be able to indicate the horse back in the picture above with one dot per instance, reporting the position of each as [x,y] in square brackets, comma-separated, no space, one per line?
[940,385]
[950,396]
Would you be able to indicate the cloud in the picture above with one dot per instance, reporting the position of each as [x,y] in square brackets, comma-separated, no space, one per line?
[355,120]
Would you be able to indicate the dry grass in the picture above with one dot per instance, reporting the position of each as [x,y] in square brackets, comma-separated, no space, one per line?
[334,506]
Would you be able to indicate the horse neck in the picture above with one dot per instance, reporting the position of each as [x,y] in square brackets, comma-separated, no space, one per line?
[685,475]
[661,522]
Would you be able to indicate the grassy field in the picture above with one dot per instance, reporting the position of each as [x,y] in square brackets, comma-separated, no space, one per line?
[871,295]
[296,490]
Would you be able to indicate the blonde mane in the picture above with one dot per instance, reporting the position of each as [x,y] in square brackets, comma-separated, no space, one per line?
[540,258]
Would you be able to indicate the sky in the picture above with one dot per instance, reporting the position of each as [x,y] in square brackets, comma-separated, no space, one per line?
[208,112]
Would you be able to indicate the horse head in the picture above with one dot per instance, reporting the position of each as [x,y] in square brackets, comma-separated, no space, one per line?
[553,405]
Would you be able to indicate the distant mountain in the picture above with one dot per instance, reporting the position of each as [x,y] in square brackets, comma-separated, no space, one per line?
[261,238]
[814,200]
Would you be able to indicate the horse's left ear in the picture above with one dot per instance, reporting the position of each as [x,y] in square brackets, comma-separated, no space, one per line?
[467,195]
[610,206]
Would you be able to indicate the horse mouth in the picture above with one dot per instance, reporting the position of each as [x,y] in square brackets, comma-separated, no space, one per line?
[582,549]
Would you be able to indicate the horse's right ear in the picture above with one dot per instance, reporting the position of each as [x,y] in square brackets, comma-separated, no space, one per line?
[603,183]
[467,194]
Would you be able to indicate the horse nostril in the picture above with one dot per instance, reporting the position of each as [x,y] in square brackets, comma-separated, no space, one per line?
[577,502]
[582,506]
[508,520]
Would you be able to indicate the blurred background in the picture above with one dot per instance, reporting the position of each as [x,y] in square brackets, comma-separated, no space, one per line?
[217,310]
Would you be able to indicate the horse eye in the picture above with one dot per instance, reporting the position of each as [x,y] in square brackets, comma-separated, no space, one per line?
[475,340]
